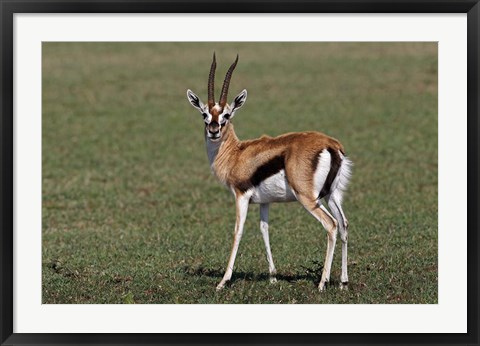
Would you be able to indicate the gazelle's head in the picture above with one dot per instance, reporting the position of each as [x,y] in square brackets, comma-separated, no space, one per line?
[216,115]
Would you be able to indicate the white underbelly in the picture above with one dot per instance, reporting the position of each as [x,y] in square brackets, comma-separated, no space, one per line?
[273,189]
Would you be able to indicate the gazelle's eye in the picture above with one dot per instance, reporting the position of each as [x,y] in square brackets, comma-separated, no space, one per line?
[204,115]
[225,118]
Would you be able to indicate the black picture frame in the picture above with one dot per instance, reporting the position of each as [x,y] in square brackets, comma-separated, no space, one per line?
[9,8]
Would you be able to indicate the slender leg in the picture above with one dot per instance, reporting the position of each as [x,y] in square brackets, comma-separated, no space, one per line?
[334,203]
[266,240]
[330,224]
[242,209]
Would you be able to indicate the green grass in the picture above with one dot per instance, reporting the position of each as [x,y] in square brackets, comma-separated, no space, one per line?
[132,214]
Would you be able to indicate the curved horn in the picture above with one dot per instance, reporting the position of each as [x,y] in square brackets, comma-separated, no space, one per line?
[211,82]
[226,83]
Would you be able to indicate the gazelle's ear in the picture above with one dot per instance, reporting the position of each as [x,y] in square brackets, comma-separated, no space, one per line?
[238,101]
[195,100]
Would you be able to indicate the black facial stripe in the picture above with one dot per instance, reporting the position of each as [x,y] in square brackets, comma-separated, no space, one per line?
[335,164]
[263,172]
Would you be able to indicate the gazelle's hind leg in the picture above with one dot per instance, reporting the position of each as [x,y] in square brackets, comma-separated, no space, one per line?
[330,224]
[266,240]
[335,205]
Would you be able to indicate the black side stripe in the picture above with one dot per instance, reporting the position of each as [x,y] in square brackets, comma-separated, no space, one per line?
[335,163]
[263,172]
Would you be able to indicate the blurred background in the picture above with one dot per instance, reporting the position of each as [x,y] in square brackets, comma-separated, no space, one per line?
[132,214]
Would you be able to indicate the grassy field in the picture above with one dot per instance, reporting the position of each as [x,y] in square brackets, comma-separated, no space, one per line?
[132,214]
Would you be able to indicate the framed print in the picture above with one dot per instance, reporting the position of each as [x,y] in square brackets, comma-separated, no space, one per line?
[148,150]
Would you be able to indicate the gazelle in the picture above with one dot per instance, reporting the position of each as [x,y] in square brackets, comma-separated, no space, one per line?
[304,166]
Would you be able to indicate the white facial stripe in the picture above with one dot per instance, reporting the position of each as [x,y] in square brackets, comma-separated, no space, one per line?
[221,117]
[208,118]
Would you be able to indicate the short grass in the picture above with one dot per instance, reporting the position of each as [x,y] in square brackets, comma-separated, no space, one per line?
[132,214]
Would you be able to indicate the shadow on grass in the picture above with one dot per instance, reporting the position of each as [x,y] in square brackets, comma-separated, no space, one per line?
[312,274]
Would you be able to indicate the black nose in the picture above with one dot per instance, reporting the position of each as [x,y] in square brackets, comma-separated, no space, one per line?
[213,127]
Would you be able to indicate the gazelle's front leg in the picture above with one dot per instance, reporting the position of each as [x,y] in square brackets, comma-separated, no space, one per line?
[241,202]
[266,240]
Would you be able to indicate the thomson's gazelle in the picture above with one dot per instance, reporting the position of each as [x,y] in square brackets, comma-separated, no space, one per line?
[305,166]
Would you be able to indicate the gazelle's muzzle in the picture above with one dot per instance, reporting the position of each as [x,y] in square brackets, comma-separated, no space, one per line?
[213,130]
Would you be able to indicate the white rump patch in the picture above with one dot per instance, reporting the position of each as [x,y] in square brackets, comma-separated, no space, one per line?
[321,173]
